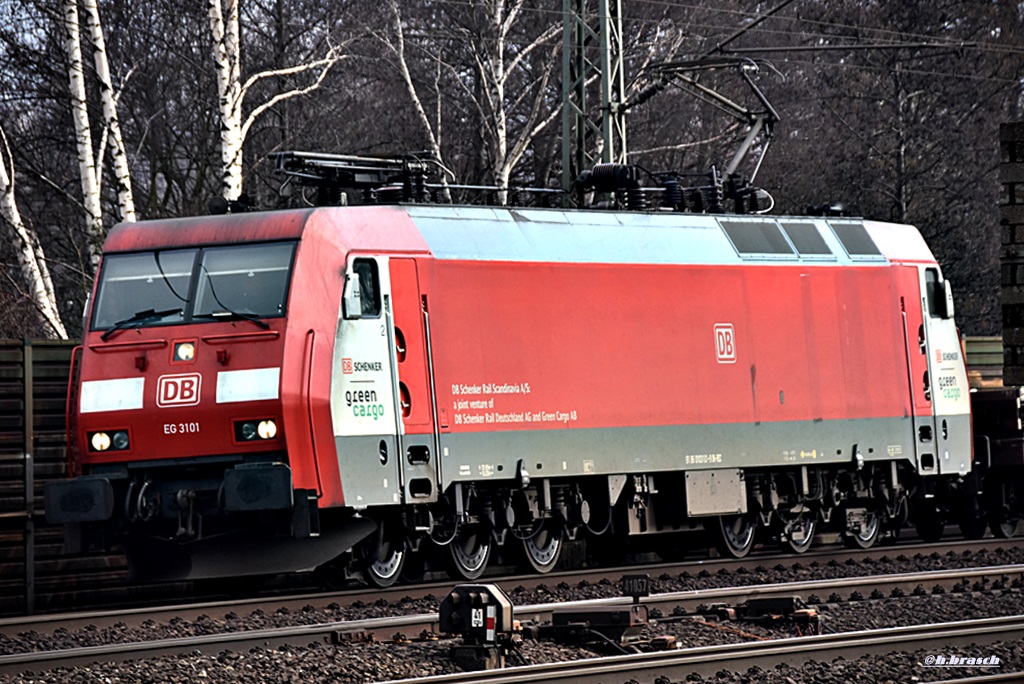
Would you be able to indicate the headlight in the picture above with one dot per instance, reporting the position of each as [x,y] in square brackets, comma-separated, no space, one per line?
[109,441]
[184,351]
[267,429]
[120,440]
[100,441]
[254,430]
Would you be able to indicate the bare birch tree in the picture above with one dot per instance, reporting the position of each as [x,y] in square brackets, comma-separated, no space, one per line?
[394,41]
[83,134]
[90,157]
[508,91]
[112,126]
[226,32]
[31,259]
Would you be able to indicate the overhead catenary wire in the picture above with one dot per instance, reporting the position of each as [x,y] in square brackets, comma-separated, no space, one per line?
[859,30]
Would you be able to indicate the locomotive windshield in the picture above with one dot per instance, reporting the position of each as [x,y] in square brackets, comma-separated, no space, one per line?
[176,286]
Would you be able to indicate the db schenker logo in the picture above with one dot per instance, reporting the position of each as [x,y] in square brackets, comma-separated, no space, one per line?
[182,389]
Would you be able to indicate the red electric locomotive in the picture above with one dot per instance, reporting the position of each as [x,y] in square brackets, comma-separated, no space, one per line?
[338,387]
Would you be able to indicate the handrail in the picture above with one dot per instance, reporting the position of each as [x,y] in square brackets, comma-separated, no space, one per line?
[68,411]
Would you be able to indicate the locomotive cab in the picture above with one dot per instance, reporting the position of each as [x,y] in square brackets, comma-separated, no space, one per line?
[179,424]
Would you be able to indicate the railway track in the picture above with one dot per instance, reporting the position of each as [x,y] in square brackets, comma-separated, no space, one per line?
[439,588]
[985,679]
[413,626]
[707,661]
[35,575]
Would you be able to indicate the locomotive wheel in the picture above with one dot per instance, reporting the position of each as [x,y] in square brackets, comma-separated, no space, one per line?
[386,564]
[973,526]
[929,523]
[468,554]
[543,549]
[801,533]
[866,535]
[736,534]
[415,569]
[332,575]
[893,526]
[1003,527]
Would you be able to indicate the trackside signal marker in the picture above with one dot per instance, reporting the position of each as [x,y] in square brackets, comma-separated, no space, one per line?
[491,633]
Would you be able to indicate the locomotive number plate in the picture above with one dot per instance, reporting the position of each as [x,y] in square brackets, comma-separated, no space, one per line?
[181,428]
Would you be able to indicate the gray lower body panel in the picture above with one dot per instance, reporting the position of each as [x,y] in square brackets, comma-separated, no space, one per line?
[368,479]
[652,449]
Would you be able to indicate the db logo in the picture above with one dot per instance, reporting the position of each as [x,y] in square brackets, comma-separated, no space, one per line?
[178,390]
[346,367]
[938,356]
[725,343]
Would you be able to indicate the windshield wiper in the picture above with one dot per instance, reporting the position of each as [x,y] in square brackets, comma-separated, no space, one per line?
[226,312]
[137,319]
[234,316]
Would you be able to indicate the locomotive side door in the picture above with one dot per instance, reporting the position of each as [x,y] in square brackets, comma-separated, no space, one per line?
[938,375]
[946,376]
[366,428]
[414,388]
[919,376]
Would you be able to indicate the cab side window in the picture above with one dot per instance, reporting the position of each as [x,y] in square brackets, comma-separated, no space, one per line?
[365,271]
[934,293]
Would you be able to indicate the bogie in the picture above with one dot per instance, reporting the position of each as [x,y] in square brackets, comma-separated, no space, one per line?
[864,529]
[735,535]
[797,535]
[468,553]
[543,548]
[384,554]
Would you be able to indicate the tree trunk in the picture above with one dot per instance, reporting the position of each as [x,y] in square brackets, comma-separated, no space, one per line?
[83,135]
[227,62]
[122,175]
[225,30]
[34,272]
[509,98]
[397,47]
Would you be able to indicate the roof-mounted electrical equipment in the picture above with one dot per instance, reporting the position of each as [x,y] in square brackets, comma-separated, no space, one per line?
[344,179]
[620,183]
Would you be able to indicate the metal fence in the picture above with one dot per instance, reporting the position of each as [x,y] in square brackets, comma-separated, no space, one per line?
[985,361]
[34,573]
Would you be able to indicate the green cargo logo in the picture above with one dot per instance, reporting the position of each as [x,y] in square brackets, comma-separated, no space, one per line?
[364,404]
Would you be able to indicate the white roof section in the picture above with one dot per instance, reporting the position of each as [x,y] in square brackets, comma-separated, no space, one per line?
[616,237]
[899,242]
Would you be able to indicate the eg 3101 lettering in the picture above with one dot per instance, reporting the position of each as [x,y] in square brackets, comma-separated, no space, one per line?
[181,428]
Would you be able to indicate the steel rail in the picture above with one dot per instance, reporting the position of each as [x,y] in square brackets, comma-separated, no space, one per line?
[983,679]
[708,660]
[211,644]
[691,600]
[385,628]
[191,611]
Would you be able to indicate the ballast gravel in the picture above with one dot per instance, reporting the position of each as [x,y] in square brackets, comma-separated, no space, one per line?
[376,662]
